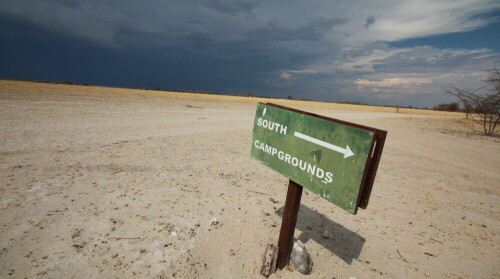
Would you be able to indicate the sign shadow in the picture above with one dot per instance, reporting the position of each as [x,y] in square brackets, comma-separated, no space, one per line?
[339,240]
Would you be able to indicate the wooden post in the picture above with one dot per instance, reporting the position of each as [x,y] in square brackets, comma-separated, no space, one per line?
[288,223]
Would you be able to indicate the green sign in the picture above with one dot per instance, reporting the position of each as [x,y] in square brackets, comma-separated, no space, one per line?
[327,156]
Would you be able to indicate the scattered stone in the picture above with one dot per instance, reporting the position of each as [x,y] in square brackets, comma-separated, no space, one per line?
[273,200]
[3,251]
[328,234]
[429,254]
[174,234]
[269,261]
[214,222]
[79,246]
[300,259]
[76,233]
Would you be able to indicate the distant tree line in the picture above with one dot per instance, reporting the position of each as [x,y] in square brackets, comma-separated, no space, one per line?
[193,91]
[354,103]
[48,81]
[448,107]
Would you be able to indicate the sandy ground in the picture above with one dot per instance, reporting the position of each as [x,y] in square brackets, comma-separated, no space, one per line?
[115,183]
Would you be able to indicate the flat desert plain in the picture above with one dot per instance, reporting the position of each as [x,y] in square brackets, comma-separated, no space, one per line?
[117,183]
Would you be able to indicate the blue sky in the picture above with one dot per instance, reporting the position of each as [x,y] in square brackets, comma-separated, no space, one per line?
[379,52]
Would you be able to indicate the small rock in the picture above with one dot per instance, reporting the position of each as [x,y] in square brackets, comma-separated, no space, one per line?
[328,234]
[76,233]
[300,259]
[174,234]
[269,260]
[214,222]
[273,200]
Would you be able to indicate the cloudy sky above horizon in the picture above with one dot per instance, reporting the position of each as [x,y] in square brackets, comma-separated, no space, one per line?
[381,52]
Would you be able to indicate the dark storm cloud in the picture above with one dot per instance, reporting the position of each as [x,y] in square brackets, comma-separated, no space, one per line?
[369,21]
[311,31]
[218,53]
[230,6]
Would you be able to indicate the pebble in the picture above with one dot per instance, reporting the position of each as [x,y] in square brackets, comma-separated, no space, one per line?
[328,234]
[214,222]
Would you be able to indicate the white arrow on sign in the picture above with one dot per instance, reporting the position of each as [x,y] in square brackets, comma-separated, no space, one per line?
[346,151]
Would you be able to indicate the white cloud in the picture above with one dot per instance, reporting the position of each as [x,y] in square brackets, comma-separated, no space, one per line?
[393,82]
[350,60]
[285,75]
[399,20]
[381,58]
[378,71]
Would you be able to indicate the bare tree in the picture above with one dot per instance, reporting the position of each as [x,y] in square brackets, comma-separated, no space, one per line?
[482,108]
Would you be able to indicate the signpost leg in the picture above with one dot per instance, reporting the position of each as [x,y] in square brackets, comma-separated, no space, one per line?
[288,223]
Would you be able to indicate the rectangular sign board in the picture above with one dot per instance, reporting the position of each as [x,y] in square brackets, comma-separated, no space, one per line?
[333,158]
